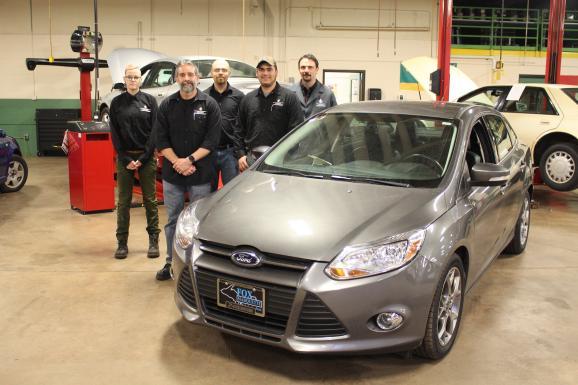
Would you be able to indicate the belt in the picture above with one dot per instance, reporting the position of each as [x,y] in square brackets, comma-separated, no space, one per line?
[225,147]
[137,152]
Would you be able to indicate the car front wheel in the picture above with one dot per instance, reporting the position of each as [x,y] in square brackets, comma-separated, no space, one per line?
[522,229]
[558,166]
[446,312]
[17,175]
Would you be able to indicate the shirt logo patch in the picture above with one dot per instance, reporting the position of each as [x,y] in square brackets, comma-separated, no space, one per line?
[199,113]
[320,103]
[145,109]
[278,103]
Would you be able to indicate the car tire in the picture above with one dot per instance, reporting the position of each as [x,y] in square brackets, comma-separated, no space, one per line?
[104,114]
[17,175]
[559,166]
[447,306]
[518,244]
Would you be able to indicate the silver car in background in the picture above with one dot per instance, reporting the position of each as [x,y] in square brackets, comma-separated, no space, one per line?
[158,73]
[360,230]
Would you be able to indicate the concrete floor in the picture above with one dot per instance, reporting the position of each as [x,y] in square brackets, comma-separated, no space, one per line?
[71,314]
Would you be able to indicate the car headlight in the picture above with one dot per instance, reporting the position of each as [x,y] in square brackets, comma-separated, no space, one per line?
[363,261]
[187,225]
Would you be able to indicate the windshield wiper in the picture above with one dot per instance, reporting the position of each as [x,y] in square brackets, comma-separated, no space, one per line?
[293,172]
[371,180]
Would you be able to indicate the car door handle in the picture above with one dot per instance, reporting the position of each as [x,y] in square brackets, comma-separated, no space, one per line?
[544,122]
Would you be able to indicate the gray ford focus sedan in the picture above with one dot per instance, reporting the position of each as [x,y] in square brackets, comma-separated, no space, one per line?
[360,230]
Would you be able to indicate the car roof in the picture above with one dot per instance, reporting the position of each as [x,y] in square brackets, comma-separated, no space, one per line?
[442,110]
[545,85]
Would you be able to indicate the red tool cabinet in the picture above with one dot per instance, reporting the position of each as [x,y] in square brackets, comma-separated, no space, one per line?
[91,167]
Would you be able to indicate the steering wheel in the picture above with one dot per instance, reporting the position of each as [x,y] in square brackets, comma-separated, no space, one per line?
[426,160]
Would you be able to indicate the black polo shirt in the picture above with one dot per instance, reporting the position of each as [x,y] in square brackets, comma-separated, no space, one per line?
[185,126]
[228,102]
[266,119]
[131,126]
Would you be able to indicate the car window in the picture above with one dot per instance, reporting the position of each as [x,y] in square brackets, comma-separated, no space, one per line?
[486,96]
[161,75]
[500,136]
[572,93]
[238,69]
[382,147]
[534,100]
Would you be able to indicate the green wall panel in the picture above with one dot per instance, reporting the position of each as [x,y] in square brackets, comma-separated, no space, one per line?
[18,119]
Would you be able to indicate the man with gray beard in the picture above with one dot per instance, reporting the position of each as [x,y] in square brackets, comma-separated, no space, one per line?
[188,129]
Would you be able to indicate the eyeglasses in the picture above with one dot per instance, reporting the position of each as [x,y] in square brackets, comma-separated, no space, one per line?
[132,78]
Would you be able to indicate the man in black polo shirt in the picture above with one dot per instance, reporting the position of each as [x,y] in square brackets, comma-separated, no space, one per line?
[132,115]
[229,99]
[188,129]
[267,113]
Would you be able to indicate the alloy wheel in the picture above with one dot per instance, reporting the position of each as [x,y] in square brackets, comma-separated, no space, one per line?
[15,175]
[449,306]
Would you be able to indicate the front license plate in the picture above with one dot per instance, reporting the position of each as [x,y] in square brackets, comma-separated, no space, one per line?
[240,297]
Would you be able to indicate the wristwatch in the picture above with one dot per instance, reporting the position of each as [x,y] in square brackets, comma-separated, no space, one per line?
[191,159]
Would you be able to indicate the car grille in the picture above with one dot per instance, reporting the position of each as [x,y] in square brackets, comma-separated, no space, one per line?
[279,300]
[185,288]
[317,320]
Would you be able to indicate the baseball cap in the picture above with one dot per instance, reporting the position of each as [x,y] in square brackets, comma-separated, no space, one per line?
[267,59]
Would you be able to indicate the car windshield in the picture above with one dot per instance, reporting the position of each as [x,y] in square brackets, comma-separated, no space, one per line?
[238,69]
[572,93]
[399,150]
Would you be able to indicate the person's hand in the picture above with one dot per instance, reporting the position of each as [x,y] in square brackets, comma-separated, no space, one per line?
[189,171]
[137,164]
[184,167]
[243,165]
[131,166]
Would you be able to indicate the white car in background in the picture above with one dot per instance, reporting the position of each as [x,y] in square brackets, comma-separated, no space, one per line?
[545,118]
[158,74]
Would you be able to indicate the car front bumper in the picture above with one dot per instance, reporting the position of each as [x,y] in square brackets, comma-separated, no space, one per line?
[307,311]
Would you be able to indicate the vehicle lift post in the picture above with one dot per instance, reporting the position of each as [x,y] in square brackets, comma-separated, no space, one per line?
[555,40]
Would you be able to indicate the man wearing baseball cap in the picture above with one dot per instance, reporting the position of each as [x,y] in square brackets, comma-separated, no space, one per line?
[267,113]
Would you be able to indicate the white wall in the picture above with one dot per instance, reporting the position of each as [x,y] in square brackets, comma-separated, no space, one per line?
[341,33]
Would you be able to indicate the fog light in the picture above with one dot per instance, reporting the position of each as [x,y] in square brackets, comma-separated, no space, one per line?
[388,321]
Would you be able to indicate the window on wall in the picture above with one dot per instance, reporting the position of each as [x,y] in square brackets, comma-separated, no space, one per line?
[486,25]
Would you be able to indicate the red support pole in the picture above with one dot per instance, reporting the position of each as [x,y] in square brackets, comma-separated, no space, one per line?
[555,40]
[444,47]
[85,91]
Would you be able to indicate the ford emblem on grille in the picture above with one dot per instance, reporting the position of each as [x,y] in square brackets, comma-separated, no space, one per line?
[246,258]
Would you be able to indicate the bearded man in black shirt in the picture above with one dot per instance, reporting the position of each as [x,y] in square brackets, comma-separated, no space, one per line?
[132,115]
[188,129]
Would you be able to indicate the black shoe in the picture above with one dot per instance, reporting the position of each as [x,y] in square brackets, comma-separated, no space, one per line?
[165,273]
[153,251]
[121,251]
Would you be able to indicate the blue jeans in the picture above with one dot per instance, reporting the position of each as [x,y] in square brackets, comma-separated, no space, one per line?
[226,162]
[174,196]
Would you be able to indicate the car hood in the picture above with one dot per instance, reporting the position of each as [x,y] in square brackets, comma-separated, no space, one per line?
[312,218]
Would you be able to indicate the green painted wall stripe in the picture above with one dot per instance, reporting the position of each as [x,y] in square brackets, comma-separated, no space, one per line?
[18,119]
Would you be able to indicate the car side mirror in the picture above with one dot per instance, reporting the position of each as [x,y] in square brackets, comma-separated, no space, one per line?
[2,133]
[489,174]
[259,151]
[119,86]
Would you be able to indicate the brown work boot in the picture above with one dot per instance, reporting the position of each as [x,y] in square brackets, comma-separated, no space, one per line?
[153,251]
[121,251]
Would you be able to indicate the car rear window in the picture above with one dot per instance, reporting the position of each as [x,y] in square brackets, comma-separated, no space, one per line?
[572,93]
